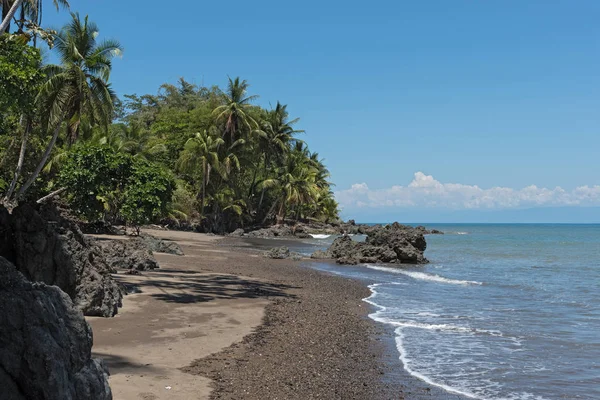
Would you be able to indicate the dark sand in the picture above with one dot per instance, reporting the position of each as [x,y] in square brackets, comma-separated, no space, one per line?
[201,318]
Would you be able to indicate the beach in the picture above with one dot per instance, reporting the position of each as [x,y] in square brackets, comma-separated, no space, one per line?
[224,322]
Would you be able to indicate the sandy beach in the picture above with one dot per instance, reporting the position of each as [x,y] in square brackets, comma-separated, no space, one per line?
[223,322]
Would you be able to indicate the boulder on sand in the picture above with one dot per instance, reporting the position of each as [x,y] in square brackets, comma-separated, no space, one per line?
[128,254]
[45,344]
[280,253]
[49,248]
[157,245]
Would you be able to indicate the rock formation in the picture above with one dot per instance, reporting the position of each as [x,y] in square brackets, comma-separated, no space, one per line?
[45,343]
[128,254]
[281,253]
[49,248]
[393,243]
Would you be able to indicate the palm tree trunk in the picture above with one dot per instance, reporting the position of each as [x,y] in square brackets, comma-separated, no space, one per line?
[41,165]
[262,194]
[6,21]
[281,213]
[269,213]
[55,193]
[13,184]
[203,188]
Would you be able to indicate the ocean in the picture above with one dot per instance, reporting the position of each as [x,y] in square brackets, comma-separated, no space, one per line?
[501,312]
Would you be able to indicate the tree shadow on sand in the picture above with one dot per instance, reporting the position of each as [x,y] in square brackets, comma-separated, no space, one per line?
[120,364]
[203,288]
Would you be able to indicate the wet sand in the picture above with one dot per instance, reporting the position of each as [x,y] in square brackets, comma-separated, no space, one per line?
[222,322]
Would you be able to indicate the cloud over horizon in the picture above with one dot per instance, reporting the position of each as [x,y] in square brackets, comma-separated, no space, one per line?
[426,192]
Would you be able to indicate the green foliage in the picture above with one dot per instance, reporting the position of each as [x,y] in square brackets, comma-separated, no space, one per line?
[104,184]
[148,192]
[78,90]
[95,177]
[20,79]
[187,153]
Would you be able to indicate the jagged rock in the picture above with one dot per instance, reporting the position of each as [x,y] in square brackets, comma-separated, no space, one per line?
[394,243]
[273,231]
[237,233]
[128,254]
[49,248]
[320,254]
[278,253]
[347,260]
[6,249]
[282,253]
[157,245]
[45,344]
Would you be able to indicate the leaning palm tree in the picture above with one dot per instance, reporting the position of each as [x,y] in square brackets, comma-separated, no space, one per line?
[78,88]
[235,110]
[200,153]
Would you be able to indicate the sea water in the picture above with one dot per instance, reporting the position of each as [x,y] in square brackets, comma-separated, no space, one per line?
[501,311]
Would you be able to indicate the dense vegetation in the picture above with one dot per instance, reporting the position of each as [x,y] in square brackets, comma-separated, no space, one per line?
[186,154]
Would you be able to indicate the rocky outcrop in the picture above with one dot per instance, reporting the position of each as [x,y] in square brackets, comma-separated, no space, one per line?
[45,344]
[136,253]
[281,253]
[128,254]
[49,248]
[273,231]
[237,233]
[384,244]
[157,245]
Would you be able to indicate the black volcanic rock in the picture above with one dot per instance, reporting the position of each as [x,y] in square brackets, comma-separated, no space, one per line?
[45,343]
[393,243]
[50,248]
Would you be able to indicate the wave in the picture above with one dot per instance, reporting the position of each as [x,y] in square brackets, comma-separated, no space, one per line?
[319,236]
[423,276]
[399,337]
[424,378]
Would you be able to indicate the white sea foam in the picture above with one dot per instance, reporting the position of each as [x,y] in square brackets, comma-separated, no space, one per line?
[423,276]
[407,361]
[319,236]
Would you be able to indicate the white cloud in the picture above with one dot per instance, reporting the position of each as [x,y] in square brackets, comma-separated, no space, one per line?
[427,192]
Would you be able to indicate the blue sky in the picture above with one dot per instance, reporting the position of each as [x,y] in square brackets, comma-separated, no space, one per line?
[494,94]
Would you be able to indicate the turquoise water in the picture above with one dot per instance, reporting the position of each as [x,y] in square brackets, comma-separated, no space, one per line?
[501,312]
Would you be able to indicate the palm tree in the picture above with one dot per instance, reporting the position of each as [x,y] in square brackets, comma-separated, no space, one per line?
[130,139]
[79,87]
[32,8]
[201,153]
[235,110]
[295,183]
[275,137]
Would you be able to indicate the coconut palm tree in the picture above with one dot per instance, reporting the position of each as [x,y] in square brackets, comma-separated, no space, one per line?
[80,85]
[31,8]
[275,136]
[78,88]
[295,183]
[131,139]
[235,110]
[200,153]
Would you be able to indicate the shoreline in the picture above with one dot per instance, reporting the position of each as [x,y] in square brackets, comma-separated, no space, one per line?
[306,333]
